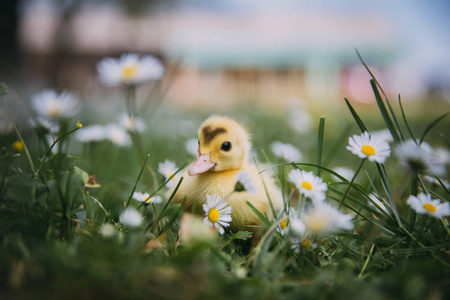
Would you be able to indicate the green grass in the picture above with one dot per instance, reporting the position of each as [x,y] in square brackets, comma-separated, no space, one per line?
[51,244]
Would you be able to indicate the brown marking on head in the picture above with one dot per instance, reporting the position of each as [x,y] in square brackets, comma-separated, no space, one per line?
[209,134]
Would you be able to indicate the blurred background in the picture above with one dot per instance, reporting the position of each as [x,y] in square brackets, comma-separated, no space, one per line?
[272,53]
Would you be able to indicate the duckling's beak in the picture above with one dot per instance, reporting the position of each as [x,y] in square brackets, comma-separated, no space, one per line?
[202,165]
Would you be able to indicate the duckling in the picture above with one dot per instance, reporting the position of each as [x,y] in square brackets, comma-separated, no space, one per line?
[223,151]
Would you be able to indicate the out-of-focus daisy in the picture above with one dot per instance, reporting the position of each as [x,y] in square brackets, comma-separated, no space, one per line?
[131,217]
[377,201]
[129,69]
[108,230]
[145,198]
[308,184]
[194,231]
[167,169]
[345,172]
[442,155]
[286,151]
[245,183]
[132,123]
[420,158]
[385,134]
[323,218]
[49,126]
[118,135]
[92,133]
[192,146]
[423,204]
[296,227]
[49,104]
[373,147]
[300,120]
[217,212]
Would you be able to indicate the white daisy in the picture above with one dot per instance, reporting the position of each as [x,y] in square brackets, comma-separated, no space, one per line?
[192,146]
[49,104]
[287,220]
[132,123]
[423,204]
[145,198]
[48,125]
[377,201]
[420,158]
[92,133]
[129,69]
[167,169]
[245,183]
[345,172]
[118,135]
[131,217]
[324,218]
[372,147]
[300,120]
[308,184]
[286,151]
[217,213]
[385,134]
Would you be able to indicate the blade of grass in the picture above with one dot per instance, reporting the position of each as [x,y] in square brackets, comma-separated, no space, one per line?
[137,180]
[355,116]
[384,112]
[263,218]
[429,127]
[320,143]
[404,119]
[367,261]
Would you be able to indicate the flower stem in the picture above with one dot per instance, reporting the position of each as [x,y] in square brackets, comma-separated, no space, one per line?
[50,149]
[351,183]
[25,148]
[414,191]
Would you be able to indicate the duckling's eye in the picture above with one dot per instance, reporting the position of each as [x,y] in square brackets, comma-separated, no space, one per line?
[226,146]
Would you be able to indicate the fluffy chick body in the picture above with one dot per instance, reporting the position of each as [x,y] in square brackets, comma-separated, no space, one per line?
[218,176]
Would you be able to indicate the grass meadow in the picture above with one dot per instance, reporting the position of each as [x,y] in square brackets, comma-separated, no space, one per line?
[63,234]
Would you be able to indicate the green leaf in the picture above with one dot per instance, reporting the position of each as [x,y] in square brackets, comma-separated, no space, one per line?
[241,235]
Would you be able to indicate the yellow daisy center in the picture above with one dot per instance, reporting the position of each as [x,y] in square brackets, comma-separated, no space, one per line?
[170,174]
[213,215]
[129,72]
[148,200]
[305,243]
[284,224]
[307,185]
[430,207]
[54,111]
[368,150]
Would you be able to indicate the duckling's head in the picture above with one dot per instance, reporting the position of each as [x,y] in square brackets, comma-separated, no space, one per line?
[223,145]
